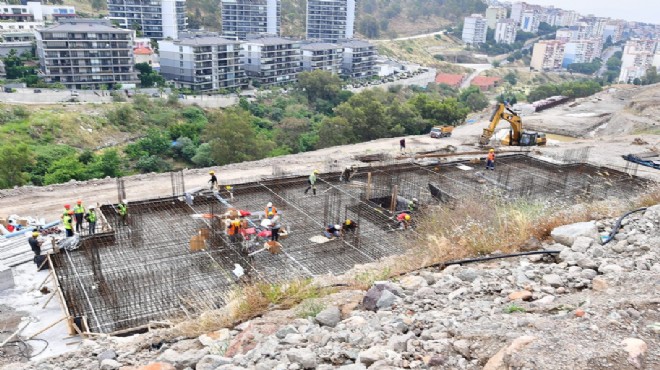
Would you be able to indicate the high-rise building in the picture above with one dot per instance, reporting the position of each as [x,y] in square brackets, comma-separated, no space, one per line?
[203,63]
[494,14]
[330,20]
[581,51]
[614,31]
[547,55]
[271,60]
[35,11]
[358,59]
[155,19]
[566,18]
[506,31]
[241,18]
[474,29]
[86,54]
[638,56]
[530,21]
[323,56]
[517,10]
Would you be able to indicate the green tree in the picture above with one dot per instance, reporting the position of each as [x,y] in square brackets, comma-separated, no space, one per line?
[65,169]
[366,115]
[152,163]
[107,164]
[369,27]
[149,77]
[289,133]
[320,84]
[13,160]
[203,156]
[473,98]
[651,76]
[335,131]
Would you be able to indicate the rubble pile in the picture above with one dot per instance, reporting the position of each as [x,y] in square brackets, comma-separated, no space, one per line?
[592,306]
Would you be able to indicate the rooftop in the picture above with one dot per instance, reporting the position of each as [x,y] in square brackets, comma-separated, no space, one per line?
[205,41]
[355,44]
[319,46]
[84,26]
[449,79]
[271,40]
[485,81]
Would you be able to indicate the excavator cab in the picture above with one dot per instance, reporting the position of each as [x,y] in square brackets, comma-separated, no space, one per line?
[516,137]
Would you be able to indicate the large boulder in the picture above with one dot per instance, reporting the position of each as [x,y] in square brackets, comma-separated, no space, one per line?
[303,357]
[567,234]
[331,316]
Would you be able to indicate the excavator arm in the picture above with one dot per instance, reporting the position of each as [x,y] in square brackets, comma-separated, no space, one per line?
[502,112]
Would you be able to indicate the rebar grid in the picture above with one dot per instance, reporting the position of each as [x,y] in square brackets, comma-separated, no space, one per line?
[146,270]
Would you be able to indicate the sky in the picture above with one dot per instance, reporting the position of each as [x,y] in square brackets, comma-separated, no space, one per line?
[631,10]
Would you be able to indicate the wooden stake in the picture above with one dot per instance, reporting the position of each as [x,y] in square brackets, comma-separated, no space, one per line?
[47,327]
[368,186]
[51,297]
[395,194]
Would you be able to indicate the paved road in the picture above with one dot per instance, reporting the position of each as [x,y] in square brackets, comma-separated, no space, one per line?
[607,54]
[478,68]
[421,79]
[412,37]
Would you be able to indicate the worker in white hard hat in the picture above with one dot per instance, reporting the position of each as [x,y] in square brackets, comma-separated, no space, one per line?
[312,182]
[270,211]
[213,180]
[332,231]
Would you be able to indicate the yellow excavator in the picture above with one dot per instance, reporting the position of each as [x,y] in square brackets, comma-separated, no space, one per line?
[516,137]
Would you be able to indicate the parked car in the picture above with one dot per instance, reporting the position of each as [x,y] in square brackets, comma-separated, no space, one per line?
[155,95]
[74,93]
[37,91]
[8,90]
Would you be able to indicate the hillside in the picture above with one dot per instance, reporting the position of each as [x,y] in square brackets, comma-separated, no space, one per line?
[375,18]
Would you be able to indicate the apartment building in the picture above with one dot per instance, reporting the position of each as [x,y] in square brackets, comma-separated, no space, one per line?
[270,60]
[566,18]
[506,31]
[517,10]
[614,31]
[241,18]
[581,51]
[358,59]
[530,21]
[19,41]
[86,54]
[330,20]
[155,19]
[203,63]
[494,14]
[322,56]
[34,11]
[547,55]
[638,56]
[474,29]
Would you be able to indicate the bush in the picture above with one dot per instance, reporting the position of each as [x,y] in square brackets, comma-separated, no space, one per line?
[152,163]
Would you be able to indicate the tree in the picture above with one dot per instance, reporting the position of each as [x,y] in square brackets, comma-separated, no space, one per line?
[369,27]
[366,115]
[320,84]
[651,76]
[13,160]
[446,112]
[152,163]
[202,156]
[107,164]
[335,131]
[149,77]
[473,98]
[65,169]
[511,78]
[289,131]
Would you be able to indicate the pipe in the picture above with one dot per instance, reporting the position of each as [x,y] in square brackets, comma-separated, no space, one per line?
[488,258]
[30,228]
[617,226]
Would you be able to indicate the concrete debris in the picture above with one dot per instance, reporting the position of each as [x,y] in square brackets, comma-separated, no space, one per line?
[567,234]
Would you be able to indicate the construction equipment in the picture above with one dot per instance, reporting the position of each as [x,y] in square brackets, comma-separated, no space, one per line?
[517,136]
[441,131]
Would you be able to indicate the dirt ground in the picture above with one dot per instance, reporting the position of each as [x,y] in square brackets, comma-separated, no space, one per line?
[608,140]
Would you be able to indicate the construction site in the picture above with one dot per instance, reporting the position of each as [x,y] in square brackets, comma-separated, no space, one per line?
[174,258]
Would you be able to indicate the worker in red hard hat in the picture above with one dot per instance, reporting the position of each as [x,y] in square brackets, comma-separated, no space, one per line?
[67,208]
[67,221]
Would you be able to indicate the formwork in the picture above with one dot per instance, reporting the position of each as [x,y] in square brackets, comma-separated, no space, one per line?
[146,270]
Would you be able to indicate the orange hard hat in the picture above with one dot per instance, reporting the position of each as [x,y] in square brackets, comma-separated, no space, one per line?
[66,206]
[79,201]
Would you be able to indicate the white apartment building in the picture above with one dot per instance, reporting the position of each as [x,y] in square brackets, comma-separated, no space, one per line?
[613,30]
[241,18]
[330,20]
[566,34]
[638,56]
[495,14]
[86,54]
[566,18]
[358,59]
[155,19]
[204,63]
[271,60]
[530,21]
[581,51]
[35,11]
[323,56]
[547,55]
[506,31]
[474,29]
[517,10]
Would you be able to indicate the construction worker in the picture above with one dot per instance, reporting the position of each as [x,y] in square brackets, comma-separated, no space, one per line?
[230,190]
[123,212]
[332,231]
[67,208]
[490,160]
[275,227]
[349,226]
[312,182]
[91,220]
[213,180]
[402,145]
[234,230]
[347,174]
[270,211]
[404,220]
[79,213]
[412,205]
[67,221]
[34,243]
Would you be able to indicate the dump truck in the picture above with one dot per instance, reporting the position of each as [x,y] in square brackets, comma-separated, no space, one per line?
[441,131]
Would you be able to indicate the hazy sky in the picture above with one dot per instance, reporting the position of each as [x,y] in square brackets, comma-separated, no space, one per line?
[630,10]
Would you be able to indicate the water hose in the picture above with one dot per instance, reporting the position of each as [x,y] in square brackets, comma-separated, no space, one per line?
[616,228]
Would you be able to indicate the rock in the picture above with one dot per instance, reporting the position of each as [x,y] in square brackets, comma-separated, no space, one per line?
[386,299]
[371,298]
[597,251]
[599,284]
[545,300]
[523,295]
[636,349]
[181,360]
[211,362]
[553,280]
[467,274]
[373,354]
[413,282]
[462,346]
[587,263]
[456,293]
[436,360]
[110,364]
[218,338]
[610,269]
[329,317]
[303,357]
[499,361]
[286,330]
[293,338]
[108,354]
[392,287]
[581,244]
[588,274]
[398,343]
[567,234]
[353,367]
[425,292]
[157,366]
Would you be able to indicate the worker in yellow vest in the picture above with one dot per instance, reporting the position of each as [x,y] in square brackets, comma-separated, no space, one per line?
[79,213]
[67,221]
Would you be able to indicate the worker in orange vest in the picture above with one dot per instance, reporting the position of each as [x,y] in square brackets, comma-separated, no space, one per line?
[234,230]
[490,160]
[270,211]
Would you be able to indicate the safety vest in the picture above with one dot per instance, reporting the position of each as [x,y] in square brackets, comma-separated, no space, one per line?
[67,222]
[268,210]
[122,209]
[234,227]
[491,156]
[312,179]
[79,209]
[91,216]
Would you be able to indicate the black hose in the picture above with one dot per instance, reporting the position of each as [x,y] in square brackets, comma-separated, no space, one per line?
[617,226]
[488,258]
